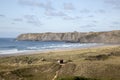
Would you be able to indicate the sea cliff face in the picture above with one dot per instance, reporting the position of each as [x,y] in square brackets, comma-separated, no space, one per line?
[70,36]
[90,37]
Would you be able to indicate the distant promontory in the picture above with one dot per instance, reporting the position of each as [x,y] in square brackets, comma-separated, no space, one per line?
[82,37]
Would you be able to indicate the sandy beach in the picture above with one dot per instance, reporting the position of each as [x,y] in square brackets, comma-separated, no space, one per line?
[58,50]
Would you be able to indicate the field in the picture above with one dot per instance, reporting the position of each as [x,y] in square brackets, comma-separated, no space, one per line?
[100,63]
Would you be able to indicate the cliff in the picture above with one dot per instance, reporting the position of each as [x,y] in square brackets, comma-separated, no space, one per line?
[94,37]
[70,36]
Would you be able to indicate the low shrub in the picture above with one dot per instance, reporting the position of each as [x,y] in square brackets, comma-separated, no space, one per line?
[76,78]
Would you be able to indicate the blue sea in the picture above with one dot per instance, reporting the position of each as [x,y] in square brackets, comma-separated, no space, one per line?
[12,46]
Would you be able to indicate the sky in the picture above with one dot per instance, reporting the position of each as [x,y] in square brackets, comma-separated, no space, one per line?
[39,16]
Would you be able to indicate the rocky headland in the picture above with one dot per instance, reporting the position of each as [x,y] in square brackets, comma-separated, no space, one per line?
[82,37]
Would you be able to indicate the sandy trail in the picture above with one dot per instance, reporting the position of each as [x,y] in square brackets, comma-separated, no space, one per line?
[57,72]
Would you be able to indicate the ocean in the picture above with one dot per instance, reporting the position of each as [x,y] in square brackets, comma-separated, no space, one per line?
[12,46]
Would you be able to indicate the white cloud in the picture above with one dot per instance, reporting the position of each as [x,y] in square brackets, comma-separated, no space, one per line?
[47,5]
[54,13]
[32,19]
[68,6]
[18,19]
[95,21]
[114,3]
[116,23]
[91,16]
[72,18]
[31,3]
[88,26]
[2,15]
[84,11]
[101,11]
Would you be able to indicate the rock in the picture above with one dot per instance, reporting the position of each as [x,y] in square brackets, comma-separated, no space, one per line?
[88,37]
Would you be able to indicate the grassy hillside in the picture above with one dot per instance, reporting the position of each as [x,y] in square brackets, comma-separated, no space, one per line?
[101,63]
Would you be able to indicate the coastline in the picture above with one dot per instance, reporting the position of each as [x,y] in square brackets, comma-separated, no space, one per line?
[57,50]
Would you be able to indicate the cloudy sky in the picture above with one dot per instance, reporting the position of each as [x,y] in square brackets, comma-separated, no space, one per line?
[36,16]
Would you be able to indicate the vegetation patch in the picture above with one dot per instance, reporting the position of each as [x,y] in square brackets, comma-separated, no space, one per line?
[76,78]
[97,57]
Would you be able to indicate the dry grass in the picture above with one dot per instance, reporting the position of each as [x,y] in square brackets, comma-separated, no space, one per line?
[101,63]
